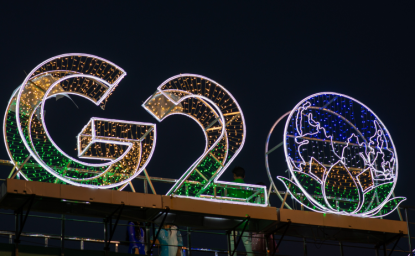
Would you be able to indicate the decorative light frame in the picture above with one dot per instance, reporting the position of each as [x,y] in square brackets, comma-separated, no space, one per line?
[209,103]
[39,110]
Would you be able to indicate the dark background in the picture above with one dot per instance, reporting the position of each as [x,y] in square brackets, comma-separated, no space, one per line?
[269,55]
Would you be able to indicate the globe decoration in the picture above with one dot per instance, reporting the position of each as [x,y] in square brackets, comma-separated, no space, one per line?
[341,157]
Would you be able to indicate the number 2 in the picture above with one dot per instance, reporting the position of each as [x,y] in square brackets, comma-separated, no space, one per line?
[222,121]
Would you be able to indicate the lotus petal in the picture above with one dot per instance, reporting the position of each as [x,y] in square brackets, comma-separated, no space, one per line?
[340,184]
[389,206]
[370,202]
[296,193]
[312,186]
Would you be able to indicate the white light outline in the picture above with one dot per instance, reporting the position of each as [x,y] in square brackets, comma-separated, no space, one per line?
[316,204]
[223,133]
[179,113]
[378,208]
[323,185]
[222,119]
[4,124]
[56,146]
[42,107]
[323,188]
[272,183]
[358,180]
[221,201]
[318,127]
[14,95]
[366,214]
[33,153]
[111,162]
[225,166]
[390,199]
[293,196]
[28,77]
[217,141]
[379,133]
[111,140]
[312,174]
[101,139]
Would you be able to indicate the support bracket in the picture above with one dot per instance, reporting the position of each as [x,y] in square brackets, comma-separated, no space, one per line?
[17,168]
[165,212]
[383,244]
[20,222]
[108,221]
[286,225]
[396,243]
[235,245]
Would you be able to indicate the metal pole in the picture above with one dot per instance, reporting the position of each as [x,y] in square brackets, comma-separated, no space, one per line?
[189,243]
[399,209]
[153,230]
[228,236]
[285,196]
[266,244]
[131,186]
[384,250]
[105,235]
[149,182]
[82,244]
[341,249]
[145,186]
[147,237]
[235,248]
[302,206]
[377,251]
[63,235]
[46,241]
[305,247]
[10,239]
[16,243]
[409,233]
[18,169]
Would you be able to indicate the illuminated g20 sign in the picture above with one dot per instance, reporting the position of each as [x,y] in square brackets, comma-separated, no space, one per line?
[126,147]
[341,157]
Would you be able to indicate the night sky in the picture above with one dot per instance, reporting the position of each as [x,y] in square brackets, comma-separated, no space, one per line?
[268,55]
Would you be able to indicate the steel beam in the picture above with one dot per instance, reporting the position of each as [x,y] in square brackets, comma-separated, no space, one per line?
[20,221]
[165,212]
[108,221]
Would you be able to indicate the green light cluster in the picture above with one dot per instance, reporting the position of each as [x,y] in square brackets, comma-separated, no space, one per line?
[373,203]
[195,183]
[32,171]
